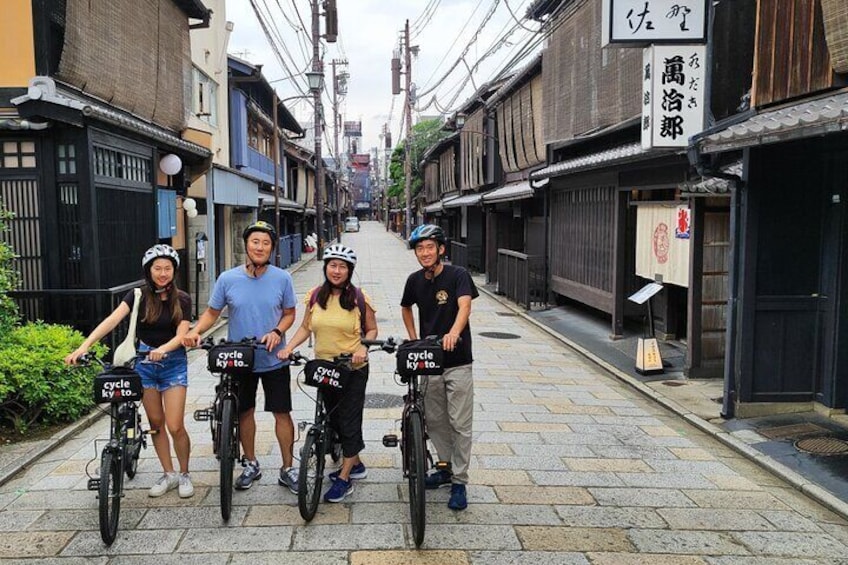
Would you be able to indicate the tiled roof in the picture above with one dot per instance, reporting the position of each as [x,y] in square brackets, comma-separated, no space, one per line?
[465,200]
[513,191]
[621,153]
[806,119]
[714,185]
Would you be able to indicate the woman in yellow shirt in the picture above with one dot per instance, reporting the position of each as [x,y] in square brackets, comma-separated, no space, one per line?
[334,316]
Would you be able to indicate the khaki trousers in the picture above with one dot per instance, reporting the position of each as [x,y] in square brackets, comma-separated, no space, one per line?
[449,406]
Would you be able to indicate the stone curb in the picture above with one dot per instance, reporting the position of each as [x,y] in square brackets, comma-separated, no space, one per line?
[774,467]
[68,432]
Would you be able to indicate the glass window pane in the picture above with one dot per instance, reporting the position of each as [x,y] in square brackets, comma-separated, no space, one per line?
[63,169]
[10,162]
[28,147]
[61,150]
[72,152]
[28,161]
[10,147]
[72,167]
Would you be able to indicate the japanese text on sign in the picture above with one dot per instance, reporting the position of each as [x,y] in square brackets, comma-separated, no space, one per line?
[649,21]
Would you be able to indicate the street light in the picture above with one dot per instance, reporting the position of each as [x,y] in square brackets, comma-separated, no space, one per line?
[315,80]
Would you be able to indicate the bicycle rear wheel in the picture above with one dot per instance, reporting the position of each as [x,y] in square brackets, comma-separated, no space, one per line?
[311,474]
[414,451]
[226,455]
[111,486]
[132,449]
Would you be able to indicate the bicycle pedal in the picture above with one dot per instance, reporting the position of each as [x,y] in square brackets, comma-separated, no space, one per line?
[203,415]
[443,465]
[93,484]
[390,440]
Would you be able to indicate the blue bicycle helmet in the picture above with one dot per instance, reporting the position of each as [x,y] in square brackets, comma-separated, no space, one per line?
[427,231]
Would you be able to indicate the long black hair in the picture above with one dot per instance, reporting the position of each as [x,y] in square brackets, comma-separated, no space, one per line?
[347,299]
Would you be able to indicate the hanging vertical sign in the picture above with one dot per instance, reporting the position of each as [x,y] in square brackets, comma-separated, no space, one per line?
[654,21]
[672,94]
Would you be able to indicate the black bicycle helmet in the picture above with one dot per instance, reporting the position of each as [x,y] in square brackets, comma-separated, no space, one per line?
[263,227]
[427,231]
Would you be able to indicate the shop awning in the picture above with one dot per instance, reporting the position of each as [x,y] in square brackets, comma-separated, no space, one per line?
[466,200]
[612,156]
[267,201]
[512,191]
[811,118]
[434,207]
[713,185]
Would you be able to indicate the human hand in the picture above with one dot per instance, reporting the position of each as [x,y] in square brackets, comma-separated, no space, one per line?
[449,342]
[284,354]
[72,358]
[191,339]
[156,354]
[360,355]
[271,340]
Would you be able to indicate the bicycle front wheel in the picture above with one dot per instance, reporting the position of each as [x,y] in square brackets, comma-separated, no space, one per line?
[416,454]
[226,455]
[311,474]
[111,485]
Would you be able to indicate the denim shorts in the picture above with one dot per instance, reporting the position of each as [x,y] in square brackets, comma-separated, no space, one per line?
[162,375]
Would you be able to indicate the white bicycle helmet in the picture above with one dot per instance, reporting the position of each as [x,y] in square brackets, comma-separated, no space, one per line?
[160,250]
[339,251]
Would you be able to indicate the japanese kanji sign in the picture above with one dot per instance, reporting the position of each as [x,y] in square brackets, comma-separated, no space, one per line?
[672,94]
[654,21]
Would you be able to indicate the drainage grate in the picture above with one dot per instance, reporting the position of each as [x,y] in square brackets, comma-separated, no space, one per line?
[379,400]
[507,314]
[673,383]
[822,446]
[500,335]
[792,431]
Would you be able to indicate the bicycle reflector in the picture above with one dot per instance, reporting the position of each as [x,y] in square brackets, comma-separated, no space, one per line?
[325,374]
[231,359]
[117,386]
[420,357]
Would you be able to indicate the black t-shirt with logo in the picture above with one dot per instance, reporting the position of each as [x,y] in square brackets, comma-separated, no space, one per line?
[438,307]
[163,330]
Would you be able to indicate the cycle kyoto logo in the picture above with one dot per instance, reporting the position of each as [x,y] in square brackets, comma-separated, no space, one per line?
[421,360]
[115,389]
[231,360]
[326,376]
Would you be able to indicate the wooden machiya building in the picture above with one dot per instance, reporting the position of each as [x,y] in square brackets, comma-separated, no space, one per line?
[788,321]
[608,197]
[91,101]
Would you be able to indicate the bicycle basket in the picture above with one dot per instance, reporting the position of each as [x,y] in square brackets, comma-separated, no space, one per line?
[117,385]
[325,374]
[420,357]
[233,359]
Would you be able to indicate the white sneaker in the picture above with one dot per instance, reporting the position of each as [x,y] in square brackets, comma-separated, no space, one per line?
[186,489]
[168,481]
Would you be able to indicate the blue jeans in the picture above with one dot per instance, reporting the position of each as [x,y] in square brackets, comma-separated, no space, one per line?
[169,372]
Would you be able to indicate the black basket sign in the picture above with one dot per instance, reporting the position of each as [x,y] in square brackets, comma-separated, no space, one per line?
[231,359]
[420,357]
[325,374]
[117,387]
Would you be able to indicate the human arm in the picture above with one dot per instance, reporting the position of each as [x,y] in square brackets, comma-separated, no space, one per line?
[450,339]
[101,331]
[361,354]
[192,337]
[171,345]
[301,335]
[275,335]
[408,321]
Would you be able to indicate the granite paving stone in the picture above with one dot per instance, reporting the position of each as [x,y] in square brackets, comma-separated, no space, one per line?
[470,537]
[643,559]
[127,542]
[686,542]
[735,499]
[569,478]
[609,517]
[192,517]
[72,520]
[559,538]
[284,515]
[16,521]
[349,537]
[32,544]
[791,544]
[657,498]
[290,558]
[665,480]
[714,519]
[526,558]
[178,559]
[222,540]
[430,557]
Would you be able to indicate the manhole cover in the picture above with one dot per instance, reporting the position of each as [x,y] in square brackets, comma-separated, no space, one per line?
[822,446]
[507,314]
[500,335]
[383,400]
[673,383]
[791,431]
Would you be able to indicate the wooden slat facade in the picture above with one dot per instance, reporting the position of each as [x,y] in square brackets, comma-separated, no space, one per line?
[790,56]
[472,140]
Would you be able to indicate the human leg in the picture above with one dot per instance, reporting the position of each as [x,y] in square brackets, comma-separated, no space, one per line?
[276,385]
[152,402]
[174,400]
[459,391]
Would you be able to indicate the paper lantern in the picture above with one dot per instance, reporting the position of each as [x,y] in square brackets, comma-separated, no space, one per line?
[192,213]
[189,204]
[170,164]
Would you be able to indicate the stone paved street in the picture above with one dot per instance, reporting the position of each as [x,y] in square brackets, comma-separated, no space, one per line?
[570,467]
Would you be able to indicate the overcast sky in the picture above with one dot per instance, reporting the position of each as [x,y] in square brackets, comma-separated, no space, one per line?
[368,35]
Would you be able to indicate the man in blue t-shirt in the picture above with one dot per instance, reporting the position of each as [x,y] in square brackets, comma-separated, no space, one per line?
[261,302]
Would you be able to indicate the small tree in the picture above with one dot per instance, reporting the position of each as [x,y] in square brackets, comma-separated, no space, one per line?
[8,277]
[424,135]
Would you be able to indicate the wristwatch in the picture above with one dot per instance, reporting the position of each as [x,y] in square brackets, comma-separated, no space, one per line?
[278,332]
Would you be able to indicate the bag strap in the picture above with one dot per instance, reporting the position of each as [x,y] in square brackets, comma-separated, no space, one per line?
[360,302]
[134,315]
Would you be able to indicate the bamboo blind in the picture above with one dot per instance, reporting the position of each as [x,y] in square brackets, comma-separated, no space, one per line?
[835,13]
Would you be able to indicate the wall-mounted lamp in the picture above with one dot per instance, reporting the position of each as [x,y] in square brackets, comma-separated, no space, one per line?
[460,120]
[170,164]
[190,207]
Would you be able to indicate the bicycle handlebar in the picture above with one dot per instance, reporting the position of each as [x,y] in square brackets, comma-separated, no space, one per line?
[209,342]
[297,359]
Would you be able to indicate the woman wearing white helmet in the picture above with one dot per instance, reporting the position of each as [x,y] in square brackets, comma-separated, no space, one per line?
[339,315]
[163,319]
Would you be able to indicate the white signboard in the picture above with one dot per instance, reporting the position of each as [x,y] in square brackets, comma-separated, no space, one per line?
[658,251]
[672,94]
[654,21]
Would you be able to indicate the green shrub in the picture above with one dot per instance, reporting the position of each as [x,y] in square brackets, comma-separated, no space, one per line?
[8,279]
[35,384]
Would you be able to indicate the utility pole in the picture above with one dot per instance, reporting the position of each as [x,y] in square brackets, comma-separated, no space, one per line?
[319,160]
[276,151]
[407,162]
[338,89]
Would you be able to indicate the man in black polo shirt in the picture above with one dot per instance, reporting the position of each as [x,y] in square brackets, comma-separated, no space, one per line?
[443,294]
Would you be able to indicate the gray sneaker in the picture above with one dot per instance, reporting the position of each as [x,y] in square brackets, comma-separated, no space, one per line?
[251,473]
[288,478]
[168,481]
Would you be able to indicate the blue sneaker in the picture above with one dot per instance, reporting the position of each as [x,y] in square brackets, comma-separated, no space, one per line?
[438,479]
[339,490]
[251,473]
[288,478]
[358,472]
[458,501]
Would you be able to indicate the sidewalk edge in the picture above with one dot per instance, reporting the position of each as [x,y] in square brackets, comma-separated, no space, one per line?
[774,467]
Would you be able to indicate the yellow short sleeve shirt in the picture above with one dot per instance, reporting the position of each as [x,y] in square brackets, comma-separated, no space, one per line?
[336,330]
